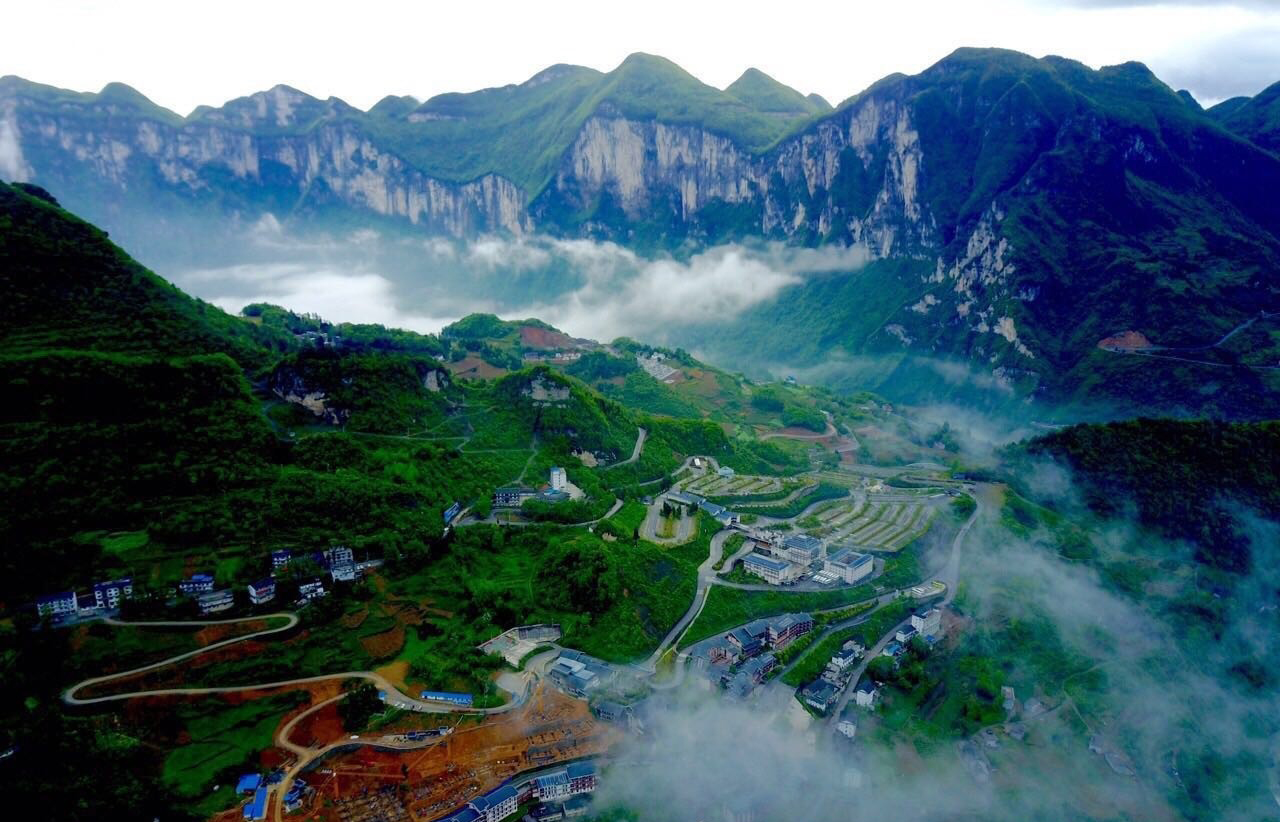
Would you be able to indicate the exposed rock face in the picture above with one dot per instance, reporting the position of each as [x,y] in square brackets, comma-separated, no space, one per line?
[654,171]
[251,153]
[1012,195]
[436,380]
[544,391]
[289,386]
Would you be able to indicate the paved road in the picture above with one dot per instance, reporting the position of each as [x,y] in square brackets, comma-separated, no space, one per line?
[950,575]
[393,695]
[635,452]
[706,574]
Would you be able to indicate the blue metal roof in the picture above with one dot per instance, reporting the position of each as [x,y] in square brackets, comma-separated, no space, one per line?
[502,795]
[802,541]
[580,769]
[257,809]
[765,562]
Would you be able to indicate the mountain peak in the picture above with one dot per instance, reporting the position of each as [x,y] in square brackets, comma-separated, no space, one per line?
[764,93]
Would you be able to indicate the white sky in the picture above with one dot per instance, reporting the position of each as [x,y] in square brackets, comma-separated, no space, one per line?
[182,54]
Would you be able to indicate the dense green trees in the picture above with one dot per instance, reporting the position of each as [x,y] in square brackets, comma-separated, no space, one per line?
[1186,479]
[359,705]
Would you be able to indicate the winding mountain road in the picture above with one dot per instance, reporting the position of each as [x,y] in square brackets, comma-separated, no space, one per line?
[706,577]
[393,695]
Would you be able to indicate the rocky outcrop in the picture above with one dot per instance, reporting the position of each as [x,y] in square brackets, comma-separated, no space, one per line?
[290,386]
[542,390]
[657,172]
[253,156]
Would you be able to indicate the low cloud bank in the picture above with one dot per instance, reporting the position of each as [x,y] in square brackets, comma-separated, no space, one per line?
[590,289]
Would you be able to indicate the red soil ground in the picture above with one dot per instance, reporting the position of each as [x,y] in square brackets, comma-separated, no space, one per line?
[532,337]
[1128,341]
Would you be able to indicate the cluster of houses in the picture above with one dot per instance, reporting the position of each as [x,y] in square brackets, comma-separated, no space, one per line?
[561,794]
[103,596]
[925,623]
[742,659]
[338,562]
[513,496]
[823,692]
[783,559]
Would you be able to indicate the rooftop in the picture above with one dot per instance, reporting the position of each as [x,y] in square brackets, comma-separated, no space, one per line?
[803,542]
[849,558]
[502,794]
[257,808]
[760,560]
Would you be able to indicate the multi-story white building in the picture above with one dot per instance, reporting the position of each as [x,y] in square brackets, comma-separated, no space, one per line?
[213,601]
[849,565]
[771,570]
[801,549]
[108,594]
[496,805]
[865,694]
[262,591]
[57,604]
[927,622]
[559,479]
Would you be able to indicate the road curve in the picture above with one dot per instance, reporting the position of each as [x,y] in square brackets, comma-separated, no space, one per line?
[635,451]
[706,573]
[69,695]
[394,696]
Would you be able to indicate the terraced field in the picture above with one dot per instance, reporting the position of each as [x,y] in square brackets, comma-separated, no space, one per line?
[871,525]
[711,485]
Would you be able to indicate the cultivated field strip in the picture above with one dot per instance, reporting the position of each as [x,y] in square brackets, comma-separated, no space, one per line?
[711,485]
[876,526]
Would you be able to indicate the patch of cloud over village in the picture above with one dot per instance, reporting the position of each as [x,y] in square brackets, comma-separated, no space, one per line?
[587,288]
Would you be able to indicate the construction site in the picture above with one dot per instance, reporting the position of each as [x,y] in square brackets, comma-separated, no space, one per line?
[367,784]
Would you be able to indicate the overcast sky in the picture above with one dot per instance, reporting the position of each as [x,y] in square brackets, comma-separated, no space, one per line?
[182,54]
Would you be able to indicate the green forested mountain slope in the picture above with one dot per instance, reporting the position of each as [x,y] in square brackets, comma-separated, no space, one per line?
[67,286]
[1197,480]
[130,408]
[1254,118]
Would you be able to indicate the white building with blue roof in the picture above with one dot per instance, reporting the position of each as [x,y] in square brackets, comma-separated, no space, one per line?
[496,805]
[849,566]
[771,570]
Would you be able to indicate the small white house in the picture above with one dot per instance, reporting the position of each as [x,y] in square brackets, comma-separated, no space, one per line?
[865,694]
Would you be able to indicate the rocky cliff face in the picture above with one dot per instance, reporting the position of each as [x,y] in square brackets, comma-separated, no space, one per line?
[251,153]
[656,172]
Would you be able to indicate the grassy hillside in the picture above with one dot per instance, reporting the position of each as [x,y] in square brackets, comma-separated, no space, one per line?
[67,286]
[1254,118]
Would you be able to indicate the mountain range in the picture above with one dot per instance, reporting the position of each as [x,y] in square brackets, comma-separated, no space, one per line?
[1019,215]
